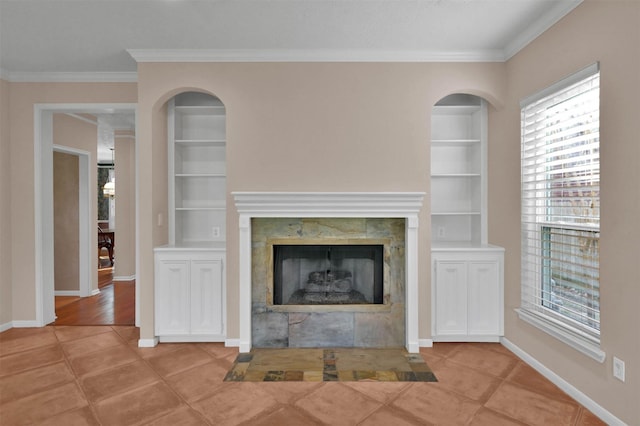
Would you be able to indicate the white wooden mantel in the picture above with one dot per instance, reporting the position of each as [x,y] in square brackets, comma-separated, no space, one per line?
[335,205]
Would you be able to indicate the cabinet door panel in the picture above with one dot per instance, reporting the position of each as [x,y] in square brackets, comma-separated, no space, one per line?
[484,297]
[451,297]
[206,297]
[173,298]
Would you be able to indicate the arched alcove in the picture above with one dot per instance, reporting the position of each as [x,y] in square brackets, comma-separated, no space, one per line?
[458,170]
[189,282]
[197,169]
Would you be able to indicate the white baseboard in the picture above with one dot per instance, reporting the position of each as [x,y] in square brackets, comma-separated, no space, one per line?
[567,387]
[6,326]
[124,278]
[95,292]
[232,343]
[67,293]
[425,343]
[148,343]
[25,323]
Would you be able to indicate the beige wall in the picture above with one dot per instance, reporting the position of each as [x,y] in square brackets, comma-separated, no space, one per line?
[303,127]
[21,137]
[125,265]
[608,32]
[6,311]
[66,233]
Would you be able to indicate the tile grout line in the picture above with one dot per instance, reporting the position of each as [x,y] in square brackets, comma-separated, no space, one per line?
[77,379]
[200,415]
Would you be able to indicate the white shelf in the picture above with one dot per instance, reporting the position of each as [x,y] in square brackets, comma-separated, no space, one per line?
[456,175]
[455,141]
[467,246]
[206,142]
[458,172]
[454,213]
[197,170]
[458,110]
[212,175]
[200,110]
[212,205]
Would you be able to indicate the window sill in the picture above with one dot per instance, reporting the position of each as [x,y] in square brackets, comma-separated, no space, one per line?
[564,334]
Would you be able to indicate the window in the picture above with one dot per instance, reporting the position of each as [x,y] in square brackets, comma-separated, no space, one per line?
[560,223]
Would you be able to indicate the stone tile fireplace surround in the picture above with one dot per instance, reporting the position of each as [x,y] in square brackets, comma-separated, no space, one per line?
[335,217]
[331,325]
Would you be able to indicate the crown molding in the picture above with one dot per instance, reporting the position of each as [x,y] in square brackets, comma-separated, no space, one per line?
[546,21]
[72,77]
[311,55]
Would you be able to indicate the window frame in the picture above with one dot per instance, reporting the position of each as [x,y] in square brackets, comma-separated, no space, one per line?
[532,309]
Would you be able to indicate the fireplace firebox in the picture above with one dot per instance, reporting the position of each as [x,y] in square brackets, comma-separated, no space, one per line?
[325,274]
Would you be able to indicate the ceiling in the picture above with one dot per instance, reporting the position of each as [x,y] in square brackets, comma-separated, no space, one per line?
[40,39]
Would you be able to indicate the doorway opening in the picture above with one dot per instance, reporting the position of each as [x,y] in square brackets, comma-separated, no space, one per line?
[45,259]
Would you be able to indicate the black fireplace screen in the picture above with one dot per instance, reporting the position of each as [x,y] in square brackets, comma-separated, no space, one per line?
[327,274]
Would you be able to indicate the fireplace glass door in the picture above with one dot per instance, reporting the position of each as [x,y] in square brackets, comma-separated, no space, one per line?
[327,274]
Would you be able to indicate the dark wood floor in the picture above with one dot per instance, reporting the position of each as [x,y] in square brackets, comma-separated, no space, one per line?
[114,305]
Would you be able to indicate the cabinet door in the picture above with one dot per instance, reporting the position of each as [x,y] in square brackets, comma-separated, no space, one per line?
[451,297]
[172,297]
[484,297]
[206,297]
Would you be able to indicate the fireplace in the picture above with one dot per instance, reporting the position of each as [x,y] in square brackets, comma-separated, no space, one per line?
[327,274]
[389,219]
[328,282]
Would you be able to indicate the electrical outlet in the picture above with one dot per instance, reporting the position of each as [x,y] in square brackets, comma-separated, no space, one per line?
[215,232]
[618,369]
[440,232]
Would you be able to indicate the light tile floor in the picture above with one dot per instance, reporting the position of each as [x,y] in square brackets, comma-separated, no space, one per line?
[98,376]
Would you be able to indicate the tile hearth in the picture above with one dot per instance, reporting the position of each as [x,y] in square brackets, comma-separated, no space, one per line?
[330,365]
[98,376]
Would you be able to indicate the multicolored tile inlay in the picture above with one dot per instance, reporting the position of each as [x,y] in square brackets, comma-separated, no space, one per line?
[327,365]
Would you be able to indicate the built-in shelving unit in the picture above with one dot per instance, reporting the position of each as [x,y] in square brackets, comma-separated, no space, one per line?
[467,272]
[190,283]
[197,170]
[458,171]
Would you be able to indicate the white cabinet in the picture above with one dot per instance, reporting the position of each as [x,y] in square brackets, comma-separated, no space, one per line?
[197,170]
[467,294]
[190,294]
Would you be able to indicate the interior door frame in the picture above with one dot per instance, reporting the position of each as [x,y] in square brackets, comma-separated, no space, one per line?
[84,224]
[43,201]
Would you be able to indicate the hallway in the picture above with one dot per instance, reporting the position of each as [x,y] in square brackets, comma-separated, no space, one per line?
[114,305]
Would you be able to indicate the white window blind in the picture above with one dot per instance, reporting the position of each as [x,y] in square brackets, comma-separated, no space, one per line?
[561,205]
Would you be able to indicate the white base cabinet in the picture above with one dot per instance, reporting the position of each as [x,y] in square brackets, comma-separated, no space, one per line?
[467,299]
[190,294]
